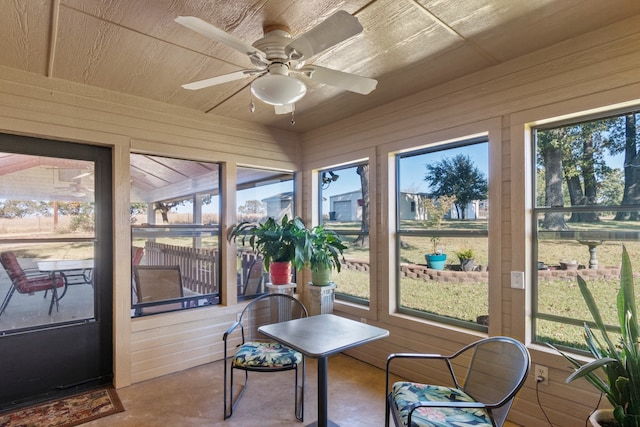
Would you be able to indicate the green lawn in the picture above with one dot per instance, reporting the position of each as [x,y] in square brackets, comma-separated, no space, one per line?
[461,301]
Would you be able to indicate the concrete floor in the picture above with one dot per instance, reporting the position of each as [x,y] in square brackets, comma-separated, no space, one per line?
[194,398]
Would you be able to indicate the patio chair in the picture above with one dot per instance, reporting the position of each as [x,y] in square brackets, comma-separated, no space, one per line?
[255,352]
[253,283]
[156,284]
[29,283]
[496,369]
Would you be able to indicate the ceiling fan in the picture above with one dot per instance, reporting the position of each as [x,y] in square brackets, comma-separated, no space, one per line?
[76,190]
[277,56]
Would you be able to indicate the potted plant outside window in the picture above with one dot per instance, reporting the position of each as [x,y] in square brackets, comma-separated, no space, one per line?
[619,362]
[326,253]
[282,244]
[467,261]
[435,210]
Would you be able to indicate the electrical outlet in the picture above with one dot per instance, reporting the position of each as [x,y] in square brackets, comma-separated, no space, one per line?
[542,374]
[517,279]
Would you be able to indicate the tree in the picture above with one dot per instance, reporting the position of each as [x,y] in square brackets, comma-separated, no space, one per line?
[626,135]
[165,207]
[583,160]
[21,208]
[252,207]
[573,155]
[611,188]
[457,176]
[363,238]
[550,152]
[136,208]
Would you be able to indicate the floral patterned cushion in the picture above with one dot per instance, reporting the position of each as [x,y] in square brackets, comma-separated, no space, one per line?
[406,393]
[256,354]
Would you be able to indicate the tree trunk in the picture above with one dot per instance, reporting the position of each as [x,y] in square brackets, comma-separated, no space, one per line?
[631,171]
[552,158]
[589,180]
[363,238]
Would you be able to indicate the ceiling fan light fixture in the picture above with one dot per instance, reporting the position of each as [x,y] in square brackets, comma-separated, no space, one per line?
[277,89]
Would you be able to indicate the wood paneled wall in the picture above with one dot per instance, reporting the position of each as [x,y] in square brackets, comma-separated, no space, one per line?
[595,71]
[55,109]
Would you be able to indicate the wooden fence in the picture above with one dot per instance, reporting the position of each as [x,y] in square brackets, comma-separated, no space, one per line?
[198,267]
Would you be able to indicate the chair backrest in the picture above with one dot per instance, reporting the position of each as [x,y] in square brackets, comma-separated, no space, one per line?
[497,370]
[14,270]
[268,309]
[254,279]
[158,283]
[136,255]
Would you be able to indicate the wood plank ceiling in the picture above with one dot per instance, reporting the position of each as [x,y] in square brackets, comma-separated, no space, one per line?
[135,47]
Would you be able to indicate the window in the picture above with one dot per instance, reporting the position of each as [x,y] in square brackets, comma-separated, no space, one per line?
[261,194]
[48,222]
[586,207]
[175,217]
[442,214]
[344,208]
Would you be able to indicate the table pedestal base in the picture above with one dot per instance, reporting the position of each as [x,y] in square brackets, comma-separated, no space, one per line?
[329,424]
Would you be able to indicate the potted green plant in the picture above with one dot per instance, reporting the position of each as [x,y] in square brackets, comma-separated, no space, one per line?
[282,244]
[326,253]
[620,362]
[467,261]
[435,210]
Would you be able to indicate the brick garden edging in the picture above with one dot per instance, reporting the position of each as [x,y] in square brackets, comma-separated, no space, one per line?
[420,271]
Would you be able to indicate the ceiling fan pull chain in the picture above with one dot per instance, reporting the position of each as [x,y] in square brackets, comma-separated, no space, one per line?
[252,106]
[293,114]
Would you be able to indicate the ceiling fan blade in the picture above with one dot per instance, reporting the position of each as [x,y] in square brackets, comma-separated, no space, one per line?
[82,175]
[216,34]
[339,79]
[225,78]
[284,109]
[338,27]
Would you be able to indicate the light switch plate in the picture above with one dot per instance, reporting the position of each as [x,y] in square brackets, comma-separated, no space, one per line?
[517,279]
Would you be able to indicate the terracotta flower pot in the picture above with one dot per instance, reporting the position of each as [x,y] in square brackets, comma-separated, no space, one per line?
[280,273]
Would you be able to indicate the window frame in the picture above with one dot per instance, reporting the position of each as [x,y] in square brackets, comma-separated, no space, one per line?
[320,220]
[569,235]
[193,230]
[435,148]
[279,174]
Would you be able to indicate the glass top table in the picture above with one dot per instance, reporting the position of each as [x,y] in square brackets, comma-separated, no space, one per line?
[71,268]
[320,337]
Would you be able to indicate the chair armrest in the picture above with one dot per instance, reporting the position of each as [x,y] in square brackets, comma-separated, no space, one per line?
[423,356]
[416,356]
[230,330]
[34,272]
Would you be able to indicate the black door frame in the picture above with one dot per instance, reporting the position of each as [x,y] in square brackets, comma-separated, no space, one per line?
[44,363]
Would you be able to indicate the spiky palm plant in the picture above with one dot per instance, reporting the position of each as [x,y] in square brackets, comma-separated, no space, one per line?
[619,363]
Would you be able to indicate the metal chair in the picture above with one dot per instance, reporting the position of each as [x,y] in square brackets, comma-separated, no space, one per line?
[29,283]
[257,353]
[253,283]
[496,369]
[158,287]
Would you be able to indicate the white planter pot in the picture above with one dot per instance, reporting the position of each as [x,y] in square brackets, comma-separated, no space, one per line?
[599,416]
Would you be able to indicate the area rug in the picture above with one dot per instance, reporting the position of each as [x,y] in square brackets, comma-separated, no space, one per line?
[66,412]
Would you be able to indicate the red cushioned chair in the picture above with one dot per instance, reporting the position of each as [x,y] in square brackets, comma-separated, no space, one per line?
[28,284]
